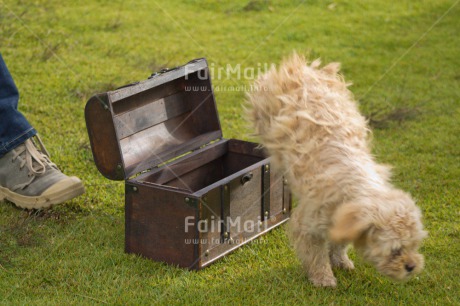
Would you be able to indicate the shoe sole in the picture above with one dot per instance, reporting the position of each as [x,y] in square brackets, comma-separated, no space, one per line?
[62,191]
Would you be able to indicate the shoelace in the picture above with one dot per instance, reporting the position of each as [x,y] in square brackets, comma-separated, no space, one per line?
[35,161]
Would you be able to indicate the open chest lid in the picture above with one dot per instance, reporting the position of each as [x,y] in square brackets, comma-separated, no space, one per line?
[142,125]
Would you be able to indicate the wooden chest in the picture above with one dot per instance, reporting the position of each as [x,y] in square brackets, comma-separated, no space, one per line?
[191,196]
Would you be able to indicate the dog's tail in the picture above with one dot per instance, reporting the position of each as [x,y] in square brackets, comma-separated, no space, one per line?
[298,105]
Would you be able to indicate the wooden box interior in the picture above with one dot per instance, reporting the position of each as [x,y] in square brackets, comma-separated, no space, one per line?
[225,160]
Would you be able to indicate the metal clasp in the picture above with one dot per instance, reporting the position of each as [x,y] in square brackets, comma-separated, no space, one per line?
[246,178]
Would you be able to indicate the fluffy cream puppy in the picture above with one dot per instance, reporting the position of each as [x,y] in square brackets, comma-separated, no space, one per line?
[309,122]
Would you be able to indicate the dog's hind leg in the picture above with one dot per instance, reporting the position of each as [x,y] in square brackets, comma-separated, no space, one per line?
[339,257]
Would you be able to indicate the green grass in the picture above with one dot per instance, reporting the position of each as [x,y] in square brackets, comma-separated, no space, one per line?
[399,55]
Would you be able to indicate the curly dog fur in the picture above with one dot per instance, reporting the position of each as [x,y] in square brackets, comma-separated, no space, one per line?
[309,122]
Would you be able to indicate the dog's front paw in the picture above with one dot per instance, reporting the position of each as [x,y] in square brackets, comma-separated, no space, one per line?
[323,280]
[342,262]
[339,258]
[347,264]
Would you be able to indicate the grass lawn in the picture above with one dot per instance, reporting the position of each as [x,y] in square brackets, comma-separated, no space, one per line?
[402,56]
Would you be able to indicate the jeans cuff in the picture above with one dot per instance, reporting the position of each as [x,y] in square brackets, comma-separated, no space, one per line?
[17,141]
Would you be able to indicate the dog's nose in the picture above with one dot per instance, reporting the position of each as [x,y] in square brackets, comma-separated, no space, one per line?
[409,267]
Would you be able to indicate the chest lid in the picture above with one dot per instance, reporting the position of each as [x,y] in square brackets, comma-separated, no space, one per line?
[142,125]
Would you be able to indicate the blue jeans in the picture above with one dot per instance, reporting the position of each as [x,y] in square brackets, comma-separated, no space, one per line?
[14,127]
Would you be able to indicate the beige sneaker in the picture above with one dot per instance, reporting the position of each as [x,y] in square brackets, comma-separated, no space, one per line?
[30,180]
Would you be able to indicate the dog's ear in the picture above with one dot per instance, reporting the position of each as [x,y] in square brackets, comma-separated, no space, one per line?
[350,221]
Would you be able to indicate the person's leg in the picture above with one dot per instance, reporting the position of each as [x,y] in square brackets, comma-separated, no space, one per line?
[28,178]
[14,127]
